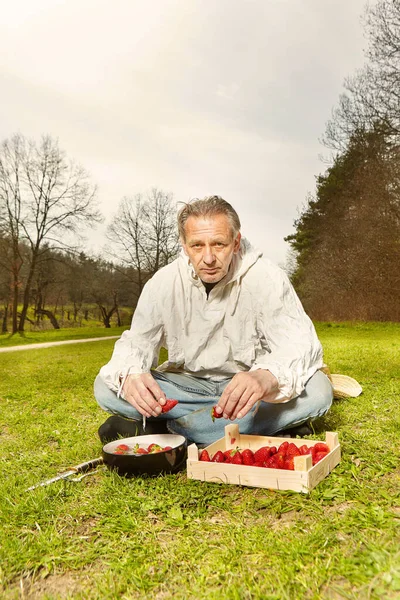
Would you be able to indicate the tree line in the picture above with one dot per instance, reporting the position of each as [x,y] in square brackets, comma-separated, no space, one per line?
[346,243]
[345,249]
[46,201]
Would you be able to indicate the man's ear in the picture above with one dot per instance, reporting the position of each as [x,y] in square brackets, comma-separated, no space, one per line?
[237,243]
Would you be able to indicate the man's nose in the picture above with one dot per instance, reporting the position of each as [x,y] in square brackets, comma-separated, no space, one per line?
[208,256]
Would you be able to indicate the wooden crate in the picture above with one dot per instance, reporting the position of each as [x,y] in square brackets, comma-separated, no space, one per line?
[303,479]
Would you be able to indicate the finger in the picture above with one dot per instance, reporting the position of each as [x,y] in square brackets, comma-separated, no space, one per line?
[240,404]
[226,394]
[142,409]
[138,391]
[245,405]
[233,399]
[149,399]
[155,389]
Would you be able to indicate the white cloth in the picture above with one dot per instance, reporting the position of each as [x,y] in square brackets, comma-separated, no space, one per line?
[252,319]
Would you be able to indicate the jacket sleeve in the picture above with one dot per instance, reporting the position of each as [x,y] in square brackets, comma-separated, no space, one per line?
[295,351]
[138,348]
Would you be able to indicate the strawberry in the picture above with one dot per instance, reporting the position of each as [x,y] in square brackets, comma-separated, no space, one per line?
[318,456]
[123,447]
[153,448]
[258,464]
[283,448]
[248,457]
[169,405]
[321,447]
[230,453]
[289,464]
[218,457]
[166,448]
[204,456]
[119,452]
[270,462]
[262,454]
[214,414]
[279,460]
[305,449]
[237,459]
[142,451]
[292,450]
[273,450]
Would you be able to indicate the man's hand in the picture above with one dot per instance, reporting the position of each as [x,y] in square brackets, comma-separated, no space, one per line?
[144,393]
[245,389]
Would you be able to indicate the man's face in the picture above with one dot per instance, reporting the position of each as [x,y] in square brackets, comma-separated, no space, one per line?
[210,246]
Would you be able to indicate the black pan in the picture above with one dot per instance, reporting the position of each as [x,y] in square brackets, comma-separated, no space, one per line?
[170,461]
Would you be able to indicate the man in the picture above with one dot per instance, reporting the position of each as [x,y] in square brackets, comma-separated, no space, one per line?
[236,334]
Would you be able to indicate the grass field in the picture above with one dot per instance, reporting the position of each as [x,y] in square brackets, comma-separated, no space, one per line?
[107,537]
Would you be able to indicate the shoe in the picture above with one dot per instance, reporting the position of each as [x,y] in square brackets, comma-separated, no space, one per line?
[117,427]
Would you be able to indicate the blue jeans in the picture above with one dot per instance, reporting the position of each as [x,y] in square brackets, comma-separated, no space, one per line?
[191,417]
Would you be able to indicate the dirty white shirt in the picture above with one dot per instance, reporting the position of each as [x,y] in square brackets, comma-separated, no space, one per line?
[252,319]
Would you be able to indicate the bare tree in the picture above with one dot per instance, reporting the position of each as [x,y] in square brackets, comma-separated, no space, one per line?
[43,198]
[372,96]
[143,235]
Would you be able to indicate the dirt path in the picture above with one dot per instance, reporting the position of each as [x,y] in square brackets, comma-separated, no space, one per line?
[49,344]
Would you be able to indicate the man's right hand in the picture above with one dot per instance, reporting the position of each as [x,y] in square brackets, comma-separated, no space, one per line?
[143,392]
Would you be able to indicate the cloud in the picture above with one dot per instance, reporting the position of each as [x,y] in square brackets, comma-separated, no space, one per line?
[195,97]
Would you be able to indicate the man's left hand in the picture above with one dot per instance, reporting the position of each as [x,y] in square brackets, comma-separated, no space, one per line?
[244,391]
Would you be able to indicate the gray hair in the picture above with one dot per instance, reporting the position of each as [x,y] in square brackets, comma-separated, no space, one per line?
[208,207]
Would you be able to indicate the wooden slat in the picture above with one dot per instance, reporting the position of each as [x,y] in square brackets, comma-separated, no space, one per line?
[232,436]
[302,463]
[324,467]
[193,452]
[276,479]
[332,439]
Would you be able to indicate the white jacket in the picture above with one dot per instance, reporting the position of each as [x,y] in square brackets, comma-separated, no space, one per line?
[251,320]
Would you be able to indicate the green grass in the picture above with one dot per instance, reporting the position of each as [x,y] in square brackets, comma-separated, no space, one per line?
[58,335]
[107,537]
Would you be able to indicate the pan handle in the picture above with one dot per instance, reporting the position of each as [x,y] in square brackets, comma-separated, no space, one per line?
[87,466]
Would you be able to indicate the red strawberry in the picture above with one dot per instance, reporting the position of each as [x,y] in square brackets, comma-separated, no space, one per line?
[318,456]
[258,464]
[123,447]
[305,449]
[262,454]
[119,452]
[279,460]
[289,464]
[169,405]
[321,447]
[204,456]
[237,459]
[166,448]
[218,457]
[214,414]
[247,457]
[153,448]
[273,450]
[283,448]
[270,463]
[230,453]
[292,450]
[141,451]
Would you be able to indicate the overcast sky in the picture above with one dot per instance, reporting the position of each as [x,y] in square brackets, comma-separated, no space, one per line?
[195,97]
